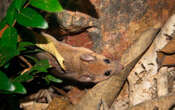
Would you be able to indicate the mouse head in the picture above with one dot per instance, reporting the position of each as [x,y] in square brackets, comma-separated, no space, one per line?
[97,67]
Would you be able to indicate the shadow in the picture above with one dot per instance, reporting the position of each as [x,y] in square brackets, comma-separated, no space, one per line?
[83,6]
[74,83]
[172,107]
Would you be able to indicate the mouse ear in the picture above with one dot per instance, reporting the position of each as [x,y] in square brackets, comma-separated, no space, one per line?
[87,57]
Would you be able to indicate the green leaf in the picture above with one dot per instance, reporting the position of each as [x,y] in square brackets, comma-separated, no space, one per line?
[8,45]
[40,66]
[6,65]
[3,23]
[30,18]
[53,79]
[47,5]
[19,88]
[7,87]
[5,83]
[23,78]
[11,13]
[19,4]
[22,45]
[32,51]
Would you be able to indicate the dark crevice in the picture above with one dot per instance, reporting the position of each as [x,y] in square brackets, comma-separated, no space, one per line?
[84,6]
[172,107]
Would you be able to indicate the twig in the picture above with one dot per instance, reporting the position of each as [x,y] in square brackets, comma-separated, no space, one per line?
[27,63]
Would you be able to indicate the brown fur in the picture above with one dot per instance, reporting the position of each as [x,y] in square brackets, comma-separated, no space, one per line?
[83,64]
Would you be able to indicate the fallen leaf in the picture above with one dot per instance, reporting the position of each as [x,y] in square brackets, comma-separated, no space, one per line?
[169,48]
[166,56]
[45,43]
[166,60]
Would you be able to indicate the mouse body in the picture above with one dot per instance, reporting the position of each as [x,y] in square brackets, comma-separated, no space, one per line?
[83,64]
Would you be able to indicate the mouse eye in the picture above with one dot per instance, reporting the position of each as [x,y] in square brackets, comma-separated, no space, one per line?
[107,73]
[107,61]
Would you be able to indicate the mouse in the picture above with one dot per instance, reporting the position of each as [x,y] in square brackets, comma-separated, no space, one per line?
[82,64]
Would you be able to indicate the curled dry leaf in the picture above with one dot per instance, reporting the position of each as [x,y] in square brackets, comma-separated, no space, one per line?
[166,60]
[166,56]
[45,43]
[170,47]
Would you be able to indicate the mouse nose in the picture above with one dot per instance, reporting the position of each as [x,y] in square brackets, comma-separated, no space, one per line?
[107,73]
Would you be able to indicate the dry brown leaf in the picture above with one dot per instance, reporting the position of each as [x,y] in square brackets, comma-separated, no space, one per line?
[45,43]
[59,103]
[32,105]
[170,47]
[166,60]
[166,55]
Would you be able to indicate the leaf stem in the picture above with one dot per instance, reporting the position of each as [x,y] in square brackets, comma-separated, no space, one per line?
[28,64]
